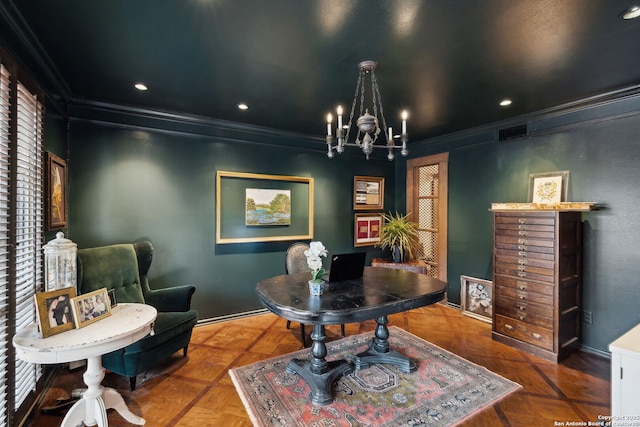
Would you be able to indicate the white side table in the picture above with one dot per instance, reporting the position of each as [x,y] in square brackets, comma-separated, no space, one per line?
[625,378]
[127,324]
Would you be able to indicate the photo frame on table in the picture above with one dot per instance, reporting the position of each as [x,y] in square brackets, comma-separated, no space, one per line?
[367,229]
[232,207]
[549,187]
[56,190]
[475,298]
[91,307]
[368,193]
[54,310]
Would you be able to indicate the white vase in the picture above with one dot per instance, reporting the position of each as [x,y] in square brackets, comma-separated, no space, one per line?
[316,288]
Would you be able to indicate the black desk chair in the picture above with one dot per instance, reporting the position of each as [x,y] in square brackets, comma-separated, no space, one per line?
[296,262]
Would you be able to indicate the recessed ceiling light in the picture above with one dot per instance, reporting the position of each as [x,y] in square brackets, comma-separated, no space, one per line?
[243,106]
[140,86]
[505,102]
[631,13]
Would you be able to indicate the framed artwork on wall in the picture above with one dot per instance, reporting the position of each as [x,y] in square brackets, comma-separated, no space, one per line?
[549,187]
[254,207]
[368,193]
[475,298]
[367,229]
[56,192]
[54,311]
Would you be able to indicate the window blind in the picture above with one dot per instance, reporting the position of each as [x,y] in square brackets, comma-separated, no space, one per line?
[4,238]
[28,227]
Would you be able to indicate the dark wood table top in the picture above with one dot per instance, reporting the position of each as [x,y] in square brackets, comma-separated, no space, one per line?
[380,292]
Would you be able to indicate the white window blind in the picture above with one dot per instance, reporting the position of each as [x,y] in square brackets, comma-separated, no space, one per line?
[4,238]
[28,227]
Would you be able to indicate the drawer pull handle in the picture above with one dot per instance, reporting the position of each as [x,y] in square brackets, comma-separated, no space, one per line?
[522,274]
[509,327]
[521,317]
[522,248]
[522,285]
[536,336]
[522,296]
[522,262]
[522,307]
[522,233]
[522,227]
[522,254]
[522,241]
[522,268]
[522,221]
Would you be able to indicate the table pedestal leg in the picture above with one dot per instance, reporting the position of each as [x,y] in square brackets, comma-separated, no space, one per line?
[91,410]
[380,352]
[317,372]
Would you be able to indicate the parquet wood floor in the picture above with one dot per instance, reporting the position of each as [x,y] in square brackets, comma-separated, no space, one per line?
[197,390]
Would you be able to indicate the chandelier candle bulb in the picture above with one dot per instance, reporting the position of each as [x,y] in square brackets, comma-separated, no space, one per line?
[390,135]
[339,117]
[329,120]
[404,122]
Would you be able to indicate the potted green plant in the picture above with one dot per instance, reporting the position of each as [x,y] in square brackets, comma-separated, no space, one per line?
[400,235]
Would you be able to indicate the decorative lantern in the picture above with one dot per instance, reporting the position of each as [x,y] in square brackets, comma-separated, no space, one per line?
[60,269]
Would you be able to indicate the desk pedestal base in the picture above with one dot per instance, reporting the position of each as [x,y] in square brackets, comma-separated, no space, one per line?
[91,410]
[317,372]
[379,351]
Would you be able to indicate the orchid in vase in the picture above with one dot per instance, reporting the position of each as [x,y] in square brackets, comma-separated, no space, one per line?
[314,260]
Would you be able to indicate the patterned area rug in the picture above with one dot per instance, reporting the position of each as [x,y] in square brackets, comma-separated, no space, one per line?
[444,391]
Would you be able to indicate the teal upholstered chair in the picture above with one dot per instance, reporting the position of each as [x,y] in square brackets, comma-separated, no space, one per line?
[124,267]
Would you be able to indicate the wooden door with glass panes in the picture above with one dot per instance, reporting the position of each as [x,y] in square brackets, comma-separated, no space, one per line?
[427,204]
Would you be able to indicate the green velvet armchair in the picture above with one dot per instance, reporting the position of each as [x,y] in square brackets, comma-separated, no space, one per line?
[124,267]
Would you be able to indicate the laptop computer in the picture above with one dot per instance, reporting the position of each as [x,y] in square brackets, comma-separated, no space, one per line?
[346,266]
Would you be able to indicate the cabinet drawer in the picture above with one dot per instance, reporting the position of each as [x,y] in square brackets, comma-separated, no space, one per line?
[519,272]
[524,285]
[524,260]
[511,243]
[525,254]
[538,218]
[527,312]
[525,296]
[522,331]
[523,241]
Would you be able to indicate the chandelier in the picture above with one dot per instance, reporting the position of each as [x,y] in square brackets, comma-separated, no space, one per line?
[369,121]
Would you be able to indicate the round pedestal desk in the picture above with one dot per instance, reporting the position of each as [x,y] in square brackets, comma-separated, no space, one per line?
[127,324]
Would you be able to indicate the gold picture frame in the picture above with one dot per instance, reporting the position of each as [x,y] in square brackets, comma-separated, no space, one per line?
[231,208]
[368,193]
[548,188]
[476,296]
[366,229]
[56,192]
[54,310]
[91,307]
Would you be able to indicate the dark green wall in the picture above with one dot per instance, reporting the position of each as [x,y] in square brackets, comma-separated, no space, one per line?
[599,146]
[129,184]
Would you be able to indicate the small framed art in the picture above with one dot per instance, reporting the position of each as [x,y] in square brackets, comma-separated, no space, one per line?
[54,310]
[475,298]
[91,307]
[56,192]
[549,187]
[368,193]
[367,229]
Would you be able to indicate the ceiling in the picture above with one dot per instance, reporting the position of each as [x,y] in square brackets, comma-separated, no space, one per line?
[449,63]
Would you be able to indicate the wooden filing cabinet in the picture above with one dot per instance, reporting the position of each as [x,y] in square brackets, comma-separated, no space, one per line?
[537,281]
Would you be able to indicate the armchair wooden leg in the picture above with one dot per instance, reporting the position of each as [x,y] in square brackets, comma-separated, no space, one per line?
[184,351]
[288,324]
[132,383]
[342,329]
[303,336]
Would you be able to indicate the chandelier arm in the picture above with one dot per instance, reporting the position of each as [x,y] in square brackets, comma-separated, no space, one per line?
[353,108]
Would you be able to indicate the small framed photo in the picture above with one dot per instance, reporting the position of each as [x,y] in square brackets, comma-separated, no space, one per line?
[112,298]
[54,310]
[367,229]
[91,307]
[368,193]
[476,296]
[548,188]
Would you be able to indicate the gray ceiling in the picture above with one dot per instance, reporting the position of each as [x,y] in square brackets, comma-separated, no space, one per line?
[448,62]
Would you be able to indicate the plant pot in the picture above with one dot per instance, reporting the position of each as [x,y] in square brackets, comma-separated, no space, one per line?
[316,288]
[396,254]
